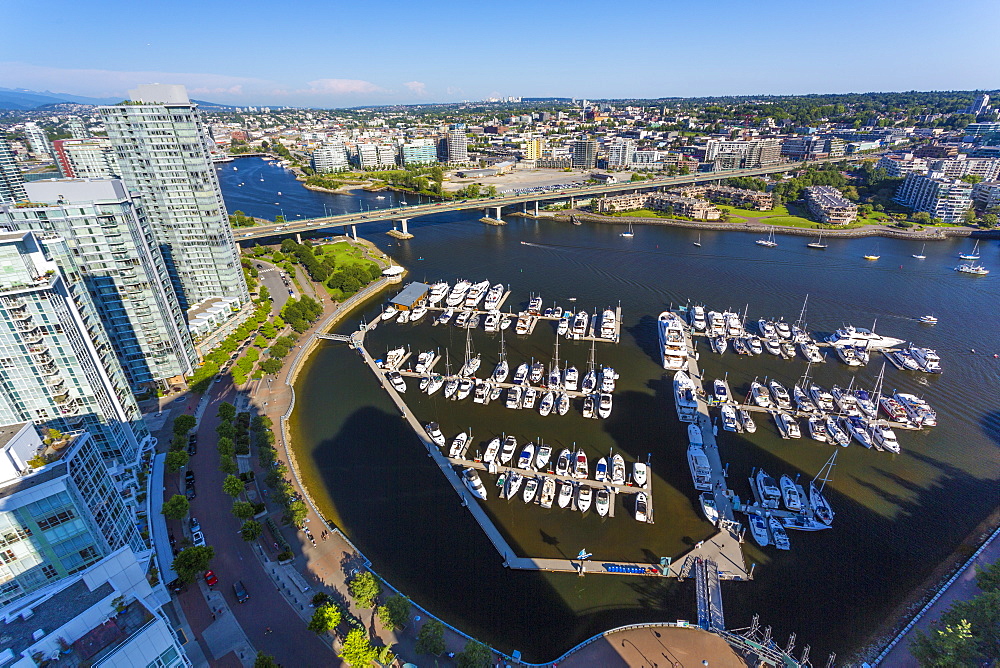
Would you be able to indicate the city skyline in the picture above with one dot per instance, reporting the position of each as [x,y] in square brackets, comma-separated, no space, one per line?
[736,50]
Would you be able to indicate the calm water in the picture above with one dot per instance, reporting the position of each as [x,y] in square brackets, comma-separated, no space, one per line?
[897,516]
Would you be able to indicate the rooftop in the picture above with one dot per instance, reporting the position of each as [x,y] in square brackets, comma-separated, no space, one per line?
[51,614]
[9,431]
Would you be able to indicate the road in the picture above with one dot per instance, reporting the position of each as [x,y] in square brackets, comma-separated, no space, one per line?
[271,276]
[344,220]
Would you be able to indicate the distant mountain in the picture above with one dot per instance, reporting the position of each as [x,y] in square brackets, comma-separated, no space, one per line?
[25,100]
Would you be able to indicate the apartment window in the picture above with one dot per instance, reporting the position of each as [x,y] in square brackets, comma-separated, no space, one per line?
[49,571]
[56,519]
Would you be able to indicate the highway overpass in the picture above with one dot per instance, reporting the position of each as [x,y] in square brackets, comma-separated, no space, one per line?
[403,214]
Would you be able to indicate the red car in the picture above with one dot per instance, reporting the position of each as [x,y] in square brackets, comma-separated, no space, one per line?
[210,579]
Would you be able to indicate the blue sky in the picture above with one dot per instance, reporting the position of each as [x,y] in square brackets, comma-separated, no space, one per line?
[332,54]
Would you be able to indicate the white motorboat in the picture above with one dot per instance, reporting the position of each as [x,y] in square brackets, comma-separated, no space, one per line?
[492,450]
[821,508]
[482,392]
[783,329]
[617,470]
[389,313]
[729,421]
[547,404]
[394,357]
[696,316]
[434,431]
[845,400]
[437,293]
[465,387]
[972,268]
[604,405]
[514,396]
[862,338]
[609,324]
[458,293]
[562,403]
[418,313]
[514,481]
[817,429]
[701,470]
[508,449]
[778,534]
[404,317]
[749,426]
[580,324]
[787,349]
[601,470]
[501,371]
[581,468]
[445,316]
[495,391]
[639,471]
[716,324]
[506,321]
[492,321]
[521,374]
[473,321]
[773,345]
[720,389]
[462,319]
[571,378]
[856,428]
[475,485]
[734,324]
[535,305]
[583,498]
[685,399]
[589,406]
[811,352]
[529,398]
[865,404]
[927,359]
[673,344]
[885,438]
[822,398]
[536,373]
[530,489]
[603,502]
[755,345]
[458,445]
[780,394]
[548,494]
[834,434]
[694,435]
[493,297]
[423,359]
[766,329]
[640,507]
[708,507]
[608,378]
[542,457]
[760,395]
[902,359]
[917,410]
[397,381]
[563,462]
[802,400]
[790,494]
[849,355]
[758,529]
[476,294]
[770,493]
[565,493]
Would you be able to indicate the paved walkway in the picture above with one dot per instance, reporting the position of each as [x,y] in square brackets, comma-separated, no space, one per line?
[655,647]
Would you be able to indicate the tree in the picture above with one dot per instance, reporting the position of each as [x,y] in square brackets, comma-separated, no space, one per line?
[184,423]
[988,579]
[972,178]
[232,486]
[296,512]
[475,655]
[226,411]
[251,530]
[176,507]
[228,465]
[430,640]
[395,613]
[945,648]
[242,510]
[265,661]
[364,588]
[270,365]
[357,649]
[226,447]
[989,220]
[191,562]
[176,460]
[969,216]
[921,218]
[325,618]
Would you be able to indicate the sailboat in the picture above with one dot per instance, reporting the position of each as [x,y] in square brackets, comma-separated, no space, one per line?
[820,506]
[921,255]
[698,243]
[974,255]
[769,242]
[818,243]
[629,233]
[874,255]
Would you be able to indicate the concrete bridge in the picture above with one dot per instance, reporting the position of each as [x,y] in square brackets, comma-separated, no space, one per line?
[495,205]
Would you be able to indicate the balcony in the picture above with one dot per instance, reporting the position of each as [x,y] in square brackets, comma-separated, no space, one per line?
[55,383]
[19,314]
[24,326]
[48,369]
[33,338]
[13,302]
[42,358]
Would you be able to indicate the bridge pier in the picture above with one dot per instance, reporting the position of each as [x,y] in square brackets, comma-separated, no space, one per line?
[536,208]
[498,213]
[404,233]
[354,232]
[298,238]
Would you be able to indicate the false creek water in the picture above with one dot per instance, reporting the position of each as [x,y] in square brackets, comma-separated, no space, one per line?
[897,516]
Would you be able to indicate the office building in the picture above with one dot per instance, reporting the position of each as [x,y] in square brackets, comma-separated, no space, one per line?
[419,152]
[829,207]
[92,158]
[583,153]
[61,510]
[11,178]
[38,141]
[162,150]
[458,143]
[330,157]
[934,193]
[113,249]
[748,154]
[57,366]
[620,153]
[812,147]
[981,129]
[77,129]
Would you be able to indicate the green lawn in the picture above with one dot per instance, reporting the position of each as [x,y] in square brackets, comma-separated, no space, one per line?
[641,213]
[747,213]
[345,253]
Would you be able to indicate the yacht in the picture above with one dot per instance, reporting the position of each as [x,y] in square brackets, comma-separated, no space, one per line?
[506,321]
[548,493]
[769,242]
[917,410]
[773,345]
[583,497]
[434,431]
[514,396]
[418,313]
[639,474]
[928,319]
[521,374]
[601,470]
[536,373]
[394,357]
[508,449]
[701,471]
[492,451]
[974,255]
[423,359]
[857,429]
[535,305]
[811,352]
[527,455]
[640,507]
[754,343]
[767,488]
[902,360]
[437,293]
[758,527]
[790,494]
[523,325]
[720,388]
[818,243]
[397,381]
[696,316]
[464,389]
[458,445]
[817,429]
[673,345]
[389,313]
[695,436]
[787,425]
[563,327]
[849,355]
[778,534]
[972,268]
[462,320]
[846,401]
[530,489]
[608,378]
[862,338]
[581,468]
[476,294]
[475,485]
[529,398]
[749,426]
[603,502]
[835,435]
[780,395]
[885,438]
[547,403]
[783,328]
[608,324]
[565,494]
[734,324]
[685,399]
[571,378]
[492,321]
[493,297]
[444,317]
[542,457]
[563,462]
[716,324]
[822,398]
[760,395]
[708,507]
[802,400]
[604,405]
[514,481]
[893,408]
[482,392]
[458,293]
[729,421]
[617,470]
[927,359]
[580,324]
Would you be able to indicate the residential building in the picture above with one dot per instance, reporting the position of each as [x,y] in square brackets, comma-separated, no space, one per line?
[988,169]
[554,163]
[936,194]
[113,249]
[829,207]
[386,155]
[11,178]
[375,156]
[61,511]
[936,151]
[162,149]
[419,152]
[898,165]
[92,158]
[986,194]
[981,129]
[738,197]
[458,143]
[77,129]
[748,154]
[812,147]
[980,105]
[583,153]
[57,366]
[620,153]
[533,149]
[38,141]
[330,157]
[689,207]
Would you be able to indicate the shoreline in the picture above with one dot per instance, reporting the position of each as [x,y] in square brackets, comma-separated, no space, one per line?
[345,189]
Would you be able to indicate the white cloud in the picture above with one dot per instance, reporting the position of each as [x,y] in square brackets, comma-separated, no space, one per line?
[341,87]
[417,87]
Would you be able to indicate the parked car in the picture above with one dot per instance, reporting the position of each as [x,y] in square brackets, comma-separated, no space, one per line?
[241,592]
[189,477]
[198,538]
[210,579]
[195,526]
[192,448]
[190,492]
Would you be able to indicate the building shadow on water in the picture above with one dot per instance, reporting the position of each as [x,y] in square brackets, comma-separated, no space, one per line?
[647,337]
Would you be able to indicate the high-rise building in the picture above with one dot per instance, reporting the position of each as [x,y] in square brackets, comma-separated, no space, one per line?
[57,366]
[748,154]
[386,155]
[113,249]
[620,153]
[77,129]
[59,482]
[419,152]
[583,153]
[38,141]
[829,206]
[458,143]
[162,150]
[11,178]
[92,158]
[330,157]
[937,195]
[980,105]
[533,149]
